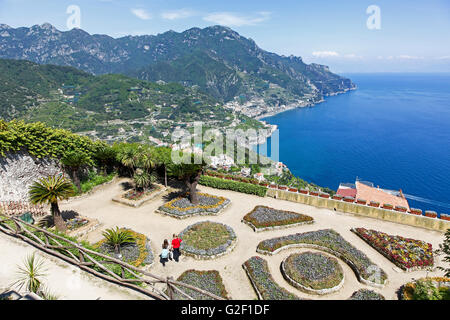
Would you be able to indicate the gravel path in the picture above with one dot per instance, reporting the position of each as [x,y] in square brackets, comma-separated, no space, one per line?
[158,227]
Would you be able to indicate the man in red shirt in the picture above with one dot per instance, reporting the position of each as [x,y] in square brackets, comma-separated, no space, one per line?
[176,243]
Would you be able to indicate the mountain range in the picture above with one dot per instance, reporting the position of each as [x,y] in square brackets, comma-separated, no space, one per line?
[217,60]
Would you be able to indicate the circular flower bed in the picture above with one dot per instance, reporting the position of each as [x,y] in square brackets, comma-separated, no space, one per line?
[264,218]
[136,254]
[210,281]
[365,294]
[207,240]
[313,272]
[182,208]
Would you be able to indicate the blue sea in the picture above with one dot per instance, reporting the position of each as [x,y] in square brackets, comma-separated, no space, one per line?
[394,131]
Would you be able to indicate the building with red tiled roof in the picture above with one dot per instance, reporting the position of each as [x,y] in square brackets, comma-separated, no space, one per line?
[368,193]
[347,190]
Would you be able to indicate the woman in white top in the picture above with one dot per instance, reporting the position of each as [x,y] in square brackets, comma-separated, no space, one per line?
[165,253]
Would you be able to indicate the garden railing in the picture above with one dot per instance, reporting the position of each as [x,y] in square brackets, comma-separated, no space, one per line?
[85,259]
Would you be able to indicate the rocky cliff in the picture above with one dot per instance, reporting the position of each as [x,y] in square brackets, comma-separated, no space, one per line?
[19,170]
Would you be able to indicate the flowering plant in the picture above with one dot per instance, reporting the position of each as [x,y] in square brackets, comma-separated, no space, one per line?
[406,253]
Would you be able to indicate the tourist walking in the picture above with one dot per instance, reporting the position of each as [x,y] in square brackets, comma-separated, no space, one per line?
[176,243]
[165,253]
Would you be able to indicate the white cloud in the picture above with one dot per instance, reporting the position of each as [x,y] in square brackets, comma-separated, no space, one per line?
[444,58]
[407,57]
[141,14]
[325,54]
[177,14]
[402,57]
[235,20]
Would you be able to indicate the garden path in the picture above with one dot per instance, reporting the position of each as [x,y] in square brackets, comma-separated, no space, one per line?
[158,227]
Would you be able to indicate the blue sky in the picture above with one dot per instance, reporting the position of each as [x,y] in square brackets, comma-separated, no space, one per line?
[414,35]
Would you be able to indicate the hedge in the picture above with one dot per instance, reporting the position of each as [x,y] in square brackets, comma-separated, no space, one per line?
[233,186]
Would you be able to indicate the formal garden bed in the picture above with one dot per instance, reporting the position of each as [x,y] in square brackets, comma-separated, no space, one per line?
[182,207]
[136,198]
[137,253]
[365,294]
[210,281]
[332,242]
[407,254]
[313,272]
[263,218]
[80,226]
[207,240]
[262,281]
[431,288]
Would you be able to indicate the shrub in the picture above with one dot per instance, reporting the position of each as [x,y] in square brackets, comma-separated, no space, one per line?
[233,186]
[365,294]
[116,238]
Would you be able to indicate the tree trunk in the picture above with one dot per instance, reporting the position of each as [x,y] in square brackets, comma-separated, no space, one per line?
[193,189]
[76,180]
[165,176]
[193,196]
[57,218]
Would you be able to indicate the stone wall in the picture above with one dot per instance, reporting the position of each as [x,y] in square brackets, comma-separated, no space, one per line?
[19,170]
[362,210]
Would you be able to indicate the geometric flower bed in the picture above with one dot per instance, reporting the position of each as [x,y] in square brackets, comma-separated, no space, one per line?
[76,223]
[442,283]
[313,272]
[136,254]
[332,242]
[210,281]
[365,294]
[139,195]
[182,208]
[136,199]
[407,254]
[207,240]
[266,288]
[263,218]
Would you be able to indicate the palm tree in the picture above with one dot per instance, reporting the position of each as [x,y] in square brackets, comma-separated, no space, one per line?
[128,157]
[117,238]
[190,174]
[30,274]
[163,157]
[74,161]
[143,179]
[30,277]
[104,156]
[50,190]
